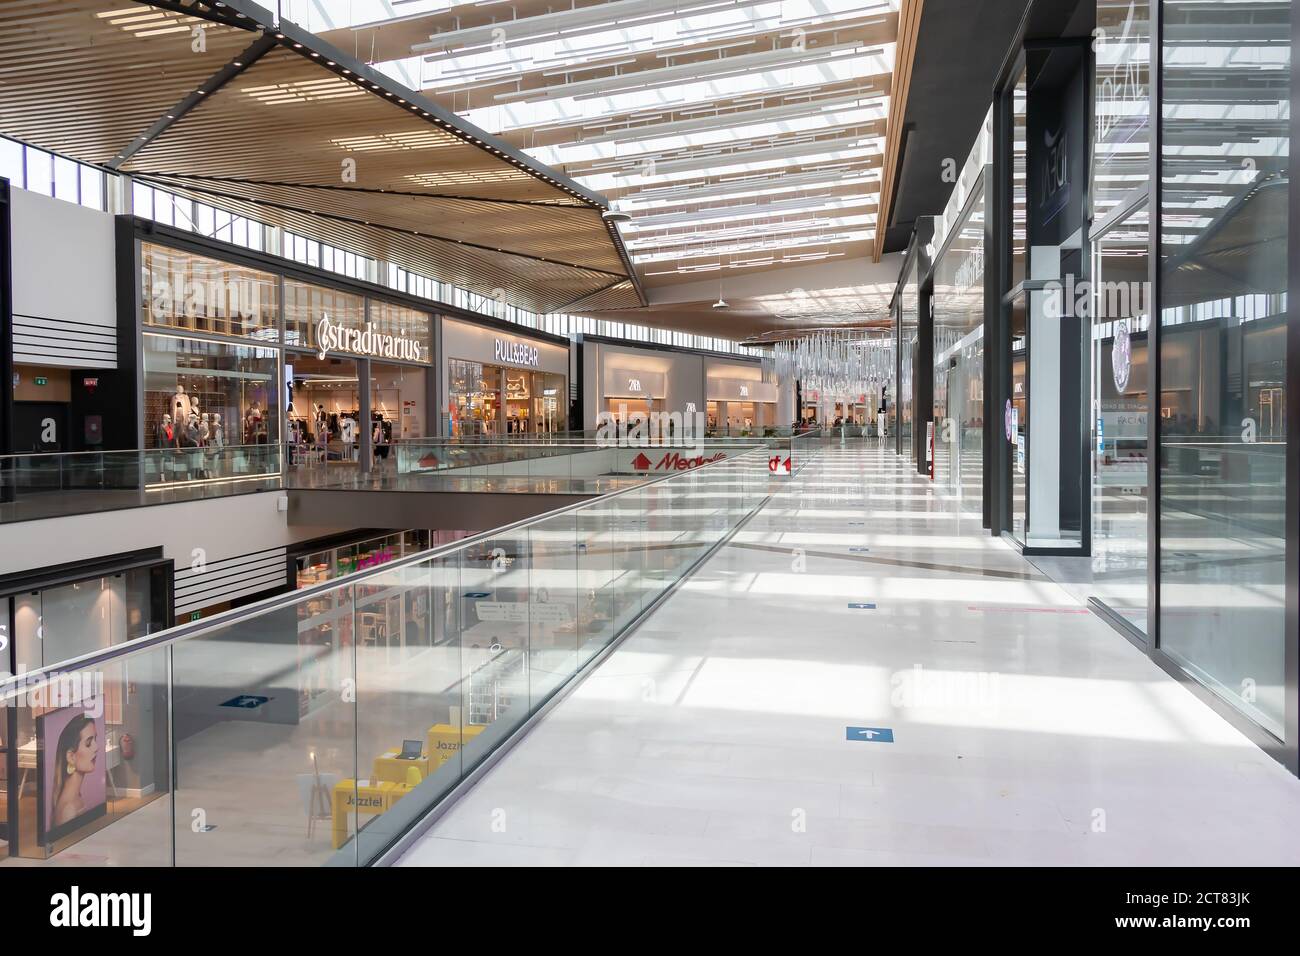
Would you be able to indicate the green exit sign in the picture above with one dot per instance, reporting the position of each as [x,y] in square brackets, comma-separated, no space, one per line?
[196,615]
[41,380]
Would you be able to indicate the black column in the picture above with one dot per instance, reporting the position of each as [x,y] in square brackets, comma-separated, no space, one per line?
[923,377]
[923,360]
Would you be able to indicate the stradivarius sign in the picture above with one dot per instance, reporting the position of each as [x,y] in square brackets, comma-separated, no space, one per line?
[337,338]
[515,353]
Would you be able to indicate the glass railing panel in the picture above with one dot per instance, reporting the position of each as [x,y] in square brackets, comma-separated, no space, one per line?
[624,563]
[665,535]
[609,562]
[553,602]
[92,764]
[408,693]
[264,715]
[494,577]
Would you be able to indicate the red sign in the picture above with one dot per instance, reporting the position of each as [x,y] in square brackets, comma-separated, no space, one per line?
[674,461]
[90,384]
[778,467]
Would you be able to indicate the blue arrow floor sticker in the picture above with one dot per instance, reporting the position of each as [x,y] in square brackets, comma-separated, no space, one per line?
[862,607]
[870,735]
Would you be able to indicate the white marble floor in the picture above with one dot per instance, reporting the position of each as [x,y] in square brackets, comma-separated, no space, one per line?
[1025,731]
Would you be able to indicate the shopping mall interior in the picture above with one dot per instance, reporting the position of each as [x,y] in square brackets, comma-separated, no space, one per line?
[648,432]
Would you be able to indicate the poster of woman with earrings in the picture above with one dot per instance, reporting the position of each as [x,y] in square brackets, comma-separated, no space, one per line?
[73,771]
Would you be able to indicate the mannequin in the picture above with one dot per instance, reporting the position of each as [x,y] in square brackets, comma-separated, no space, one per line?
[348,433]
[205,439]
[218,432]
[182,405]
[252,423]
[321,426]
[166,434]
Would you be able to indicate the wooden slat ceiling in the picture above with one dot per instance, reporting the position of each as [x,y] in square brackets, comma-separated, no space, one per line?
[277,125]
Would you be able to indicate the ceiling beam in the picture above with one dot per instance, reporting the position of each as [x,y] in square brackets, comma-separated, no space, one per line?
[310,46]
[263,45]
[194,187]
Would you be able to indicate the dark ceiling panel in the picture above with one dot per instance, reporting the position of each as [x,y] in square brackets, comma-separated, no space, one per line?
[960,49]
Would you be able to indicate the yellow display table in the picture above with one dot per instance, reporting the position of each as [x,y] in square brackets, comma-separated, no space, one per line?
[445,741]
[388,769]
[364,796]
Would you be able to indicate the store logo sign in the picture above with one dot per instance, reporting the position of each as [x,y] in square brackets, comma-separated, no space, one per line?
[675,461]
[516,353]
[744,391]
[337,338]
[1121,357]
[634,385]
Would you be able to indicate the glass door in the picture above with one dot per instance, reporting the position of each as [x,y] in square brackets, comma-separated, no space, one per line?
[1119,386]
[1016,425]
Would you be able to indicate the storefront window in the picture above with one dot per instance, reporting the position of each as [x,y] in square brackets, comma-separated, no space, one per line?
[1120,322]
[959,358]
[324,413]
[56,624]
[209,395]
[401,322]
[1016,423]
[52,625]
[1226,80]
[909,330]
[329,563]
[197,294]
[306,305]
[1122,134]
[396,404]
[1019,180]
[474,399]
[330,320]
[529,407]
[497,400]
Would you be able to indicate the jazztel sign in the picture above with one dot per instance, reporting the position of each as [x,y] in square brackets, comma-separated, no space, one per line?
[336,338]
[674,461]
[516,353]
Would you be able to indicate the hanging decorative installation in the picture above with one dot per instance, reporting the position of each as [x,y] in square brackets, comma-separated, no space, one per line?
[841,365]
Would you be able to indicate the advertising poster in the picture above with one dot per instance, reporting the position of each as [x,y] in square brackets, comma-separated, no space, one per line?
[73,772]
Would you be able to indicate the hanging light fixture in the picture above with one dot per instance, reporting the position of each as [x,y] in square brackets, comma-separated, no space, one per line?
[842,365]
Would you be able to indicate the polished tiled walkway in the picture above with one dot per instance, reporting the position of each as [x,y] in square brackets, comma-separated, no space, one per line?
[1025,731]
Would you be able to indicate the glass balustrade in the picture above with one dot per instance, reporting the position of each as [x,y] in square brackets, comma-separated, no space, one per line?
[315,729]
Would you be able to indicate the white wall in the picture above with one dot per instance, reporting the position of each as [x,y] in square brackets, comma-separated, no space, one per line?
[64,294]
[684,374]
[225,529]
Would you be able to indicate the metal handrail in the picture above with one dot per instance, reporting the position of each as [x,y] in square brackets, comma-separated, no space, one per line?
[182,632]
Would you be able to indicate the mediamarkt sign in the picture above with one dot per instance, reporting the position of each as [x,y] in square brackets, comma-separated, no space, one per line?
[674,461]
[516,353]
[337,338]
